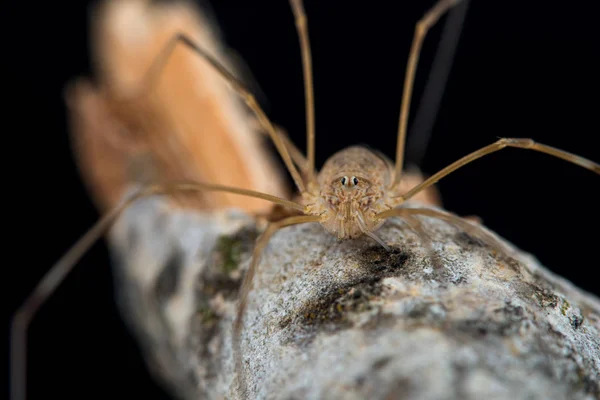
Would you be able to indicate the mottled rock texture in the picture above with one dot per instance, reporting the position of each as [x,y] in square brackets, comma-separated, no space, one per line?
[333,320]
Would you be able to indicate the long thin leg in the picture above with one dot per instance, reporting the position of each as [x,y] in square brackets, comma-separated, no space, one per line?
[247,285]
[302,28]
[499,145]
[416,226]
[160,62]
[421,30]
[61,269]
[455,220]
[297,156]
[426,115]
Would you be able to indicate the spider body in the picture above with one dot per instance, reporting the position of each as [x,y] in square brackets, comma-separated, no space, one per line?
[352,189]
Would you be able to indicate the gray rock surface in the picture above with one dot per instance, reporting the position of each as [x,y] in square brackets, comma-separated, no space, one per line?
[332,320]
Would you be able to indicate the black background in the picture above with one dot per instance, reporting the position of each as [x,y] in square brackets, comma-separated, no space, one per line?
[523,69]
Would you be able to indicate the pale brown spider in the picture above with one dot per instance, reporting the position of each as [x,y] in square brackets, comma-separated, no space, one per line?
[352,195]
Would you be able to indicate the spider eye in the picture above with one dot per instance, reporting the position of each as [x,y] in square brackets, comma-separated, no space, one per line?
[345,180]
[354,180]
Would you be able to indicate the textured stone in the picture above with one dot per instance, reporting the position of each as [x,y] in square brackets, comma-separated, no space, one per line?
[330,319]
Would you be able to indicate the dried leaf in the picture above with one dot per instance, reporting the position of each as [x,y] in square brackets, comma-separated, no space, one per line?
[189,126]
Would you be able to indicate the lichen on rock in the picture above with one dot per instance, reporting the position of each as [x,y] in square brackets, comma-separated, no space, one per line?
[347,319]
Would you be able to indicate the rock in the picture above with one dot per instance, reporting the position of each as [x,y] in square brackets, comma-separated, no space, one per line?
[330,319]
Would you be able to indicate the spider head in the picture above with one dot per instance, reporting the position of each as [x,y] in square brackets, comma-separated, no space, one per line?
[348,201]
[351,191]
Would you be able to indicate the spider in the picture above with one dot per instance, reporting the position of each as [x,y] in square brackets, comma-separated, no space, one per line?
[352,195]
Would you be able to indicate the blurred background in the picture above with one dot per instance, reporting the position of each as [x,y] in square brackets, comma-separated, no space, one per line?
[522,69]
